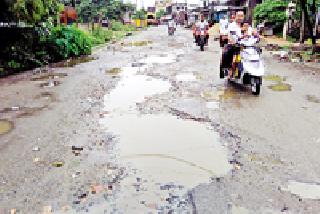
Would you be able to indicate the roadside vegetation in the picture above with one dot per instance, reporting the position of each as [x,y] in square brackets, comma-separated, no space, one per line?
[38,37]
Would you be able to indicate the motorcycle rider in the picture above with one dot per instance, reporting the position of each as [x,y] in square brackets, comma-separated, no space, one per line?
[203,24]
[171,24]
[223,31]
[234,35]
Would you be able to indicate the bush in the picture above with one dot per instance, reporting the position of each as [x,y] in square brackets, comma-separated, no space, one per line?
[118,26]
[100,35]
[68,41]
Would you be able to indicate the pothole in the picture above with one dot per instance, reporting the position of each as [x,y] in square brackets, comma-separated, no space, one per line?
[132,89]
[313,98]
[49,76]
[168,149]
[275,78]
[51,83]
[5,126]
[137,43]
[186,77]
[280,86]
[162,59]
[73,62]
[113,71]
[304,190]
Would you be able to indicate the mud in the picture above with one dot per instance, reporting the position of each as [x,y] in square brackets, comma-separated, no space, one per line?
[280,87]
[5,127]
[73,62]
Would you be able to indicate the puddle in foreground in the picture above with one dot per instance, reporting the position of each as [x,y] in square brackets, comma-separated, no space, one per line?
[133,89]
[304,190]
[168,149]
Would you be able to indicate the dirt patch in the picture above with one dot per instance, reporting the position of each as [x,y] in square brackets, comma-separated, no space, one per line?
[313,98]
[48,76]
[73,62]
[275,78]
[113,71]
[5,126]
[137,43]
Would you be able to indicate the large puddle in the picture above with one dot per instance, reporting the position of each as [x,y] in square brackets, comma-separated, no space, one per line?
[133,89]
[170,149]
[161,147]
[304,190]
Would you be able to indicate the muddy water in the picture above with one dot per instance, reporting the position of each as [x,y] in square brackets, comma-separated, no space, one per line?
[304,190]
[5,127]
[133,89]
[170,149]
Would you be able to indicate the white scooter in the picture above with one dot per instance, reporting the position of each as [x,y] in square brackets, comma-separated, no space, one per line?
[249,66]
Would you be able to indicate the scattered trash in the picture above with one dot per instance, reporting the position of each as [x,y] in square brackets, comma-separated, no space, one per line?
[58,163]
[76,150]
[5,126]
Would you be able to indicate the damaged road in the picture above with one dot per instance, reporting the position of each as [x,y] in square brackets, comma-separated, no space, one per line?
[145,125]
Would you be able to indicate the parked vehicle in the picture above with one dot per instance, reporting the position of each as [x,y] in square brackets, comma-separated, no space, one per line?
[248,67]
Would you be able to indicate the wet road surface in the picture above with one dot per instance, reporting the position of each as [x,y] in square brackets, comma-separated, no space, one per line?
[146,126]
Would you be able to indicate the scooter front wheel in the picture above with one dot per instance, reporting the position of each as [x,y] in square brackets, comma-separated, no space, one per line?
[255,89]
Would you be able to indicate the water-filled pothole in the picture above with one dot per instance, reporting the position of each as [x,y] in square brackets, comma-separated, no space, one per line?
[137,43]
[280,86]
[169,149]
[49,76]
[304,190]
[275,78]
[162,59]
[50,83]
[186,77]
[132,89]
[5,126]
[73,62]
[113,71]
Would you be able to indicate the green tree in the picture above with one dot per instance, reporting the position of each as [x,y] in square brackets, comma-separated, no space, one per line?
[160,13]
[34,11]
[271,11]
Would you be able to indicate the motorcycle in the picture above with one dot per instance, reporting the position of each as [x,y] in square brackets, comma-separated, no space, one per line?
[201,37]
[248,66]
